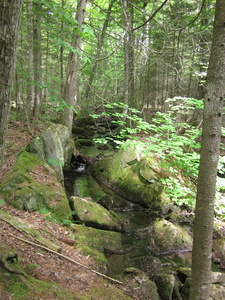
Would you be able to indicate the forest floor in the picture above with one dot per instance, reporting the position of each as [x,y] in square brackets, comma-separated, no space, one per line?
[48,267]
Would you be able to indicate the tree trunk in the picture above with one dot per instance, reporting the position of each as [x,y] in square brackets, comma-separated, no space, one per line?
[128,52]
[37,61]
[62,55]
[212,121]
[10,12]
[30,86]
[70,90]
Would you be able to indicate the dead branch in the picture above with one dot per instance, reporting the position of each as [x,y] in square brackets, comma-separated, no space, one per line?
[67,258]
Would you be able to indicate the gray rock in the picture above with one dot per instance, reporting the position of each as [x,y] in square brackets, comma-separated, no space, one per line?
[166,237]
[93,214]
[54,146]
[139,286]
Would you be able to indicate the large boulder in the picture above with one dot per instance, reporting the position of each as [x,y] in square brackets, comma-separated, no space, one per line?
[93,214]
[167,286]
[55,147]
[166,237]
[138,285]
[98,244]
[133,175]
[32,185]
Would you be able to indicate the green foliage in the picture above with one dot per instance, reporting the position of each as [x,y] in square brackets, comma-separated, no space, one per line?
[174,142]
[67,223]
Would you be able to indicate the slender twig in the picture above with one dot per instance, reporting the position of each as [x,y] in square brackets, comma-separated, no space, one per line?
[152,16]
[67,258]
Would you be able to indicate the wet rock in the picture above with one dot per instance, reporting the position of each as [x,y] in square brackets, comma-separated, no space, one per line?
[138,285]
[168,287]
[166,237]
[134,176]
[94,215]
[99,244]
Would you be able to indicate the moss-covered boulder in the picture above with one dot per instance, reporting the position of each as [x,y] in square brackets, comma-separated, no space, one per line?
[97,243]
[32,185]
[168,287]
[54,146]
[138,285]
[166,237]
[133,175]
[219,252]
[93,214]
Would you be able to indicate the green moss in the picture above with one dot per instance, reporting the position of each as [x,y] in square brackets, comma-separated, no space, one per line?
[106,293]
[168,237]
[22,190]
[84,142]
[98,239]
[94,214]
[97,256]
[30,288]
[26,162]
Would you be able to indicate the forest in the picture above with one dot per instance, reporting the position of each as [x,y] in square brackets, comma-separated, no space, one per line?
[135,52]
[111,72]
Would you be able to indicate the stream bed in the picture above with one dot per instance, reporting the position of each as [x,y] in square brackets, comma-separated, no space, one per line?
[136,250]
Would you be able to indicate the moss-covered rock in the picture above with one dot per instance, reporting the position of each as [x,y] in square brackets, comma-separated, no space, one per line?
[219,252]
[54,146]
[166,237]
[32,185]
[97,243]
[101,240]
[138,285]
[133,175]
[168,287]
[94,214]
[106,293]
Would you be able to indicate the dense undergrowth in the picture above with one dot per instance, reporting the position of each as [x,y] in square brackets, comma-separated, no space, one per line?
[173,138]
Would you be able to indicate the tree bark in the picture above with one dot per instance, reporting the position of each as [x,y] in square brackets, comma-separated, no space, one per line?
[70,90]
[10,13]
[37,61]
[30,86]
[212,122]
[127,8]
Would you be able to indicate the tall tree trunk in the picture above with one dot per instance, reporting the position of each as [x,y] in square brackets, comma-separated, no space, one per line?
[30,87]
[127,8]
[10,12]
[212,122]
[37,61]
[70,90]
[62,55]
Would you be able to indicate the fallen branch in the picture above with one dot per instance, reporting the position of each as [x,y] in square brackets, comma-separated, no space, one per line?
[67,258]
